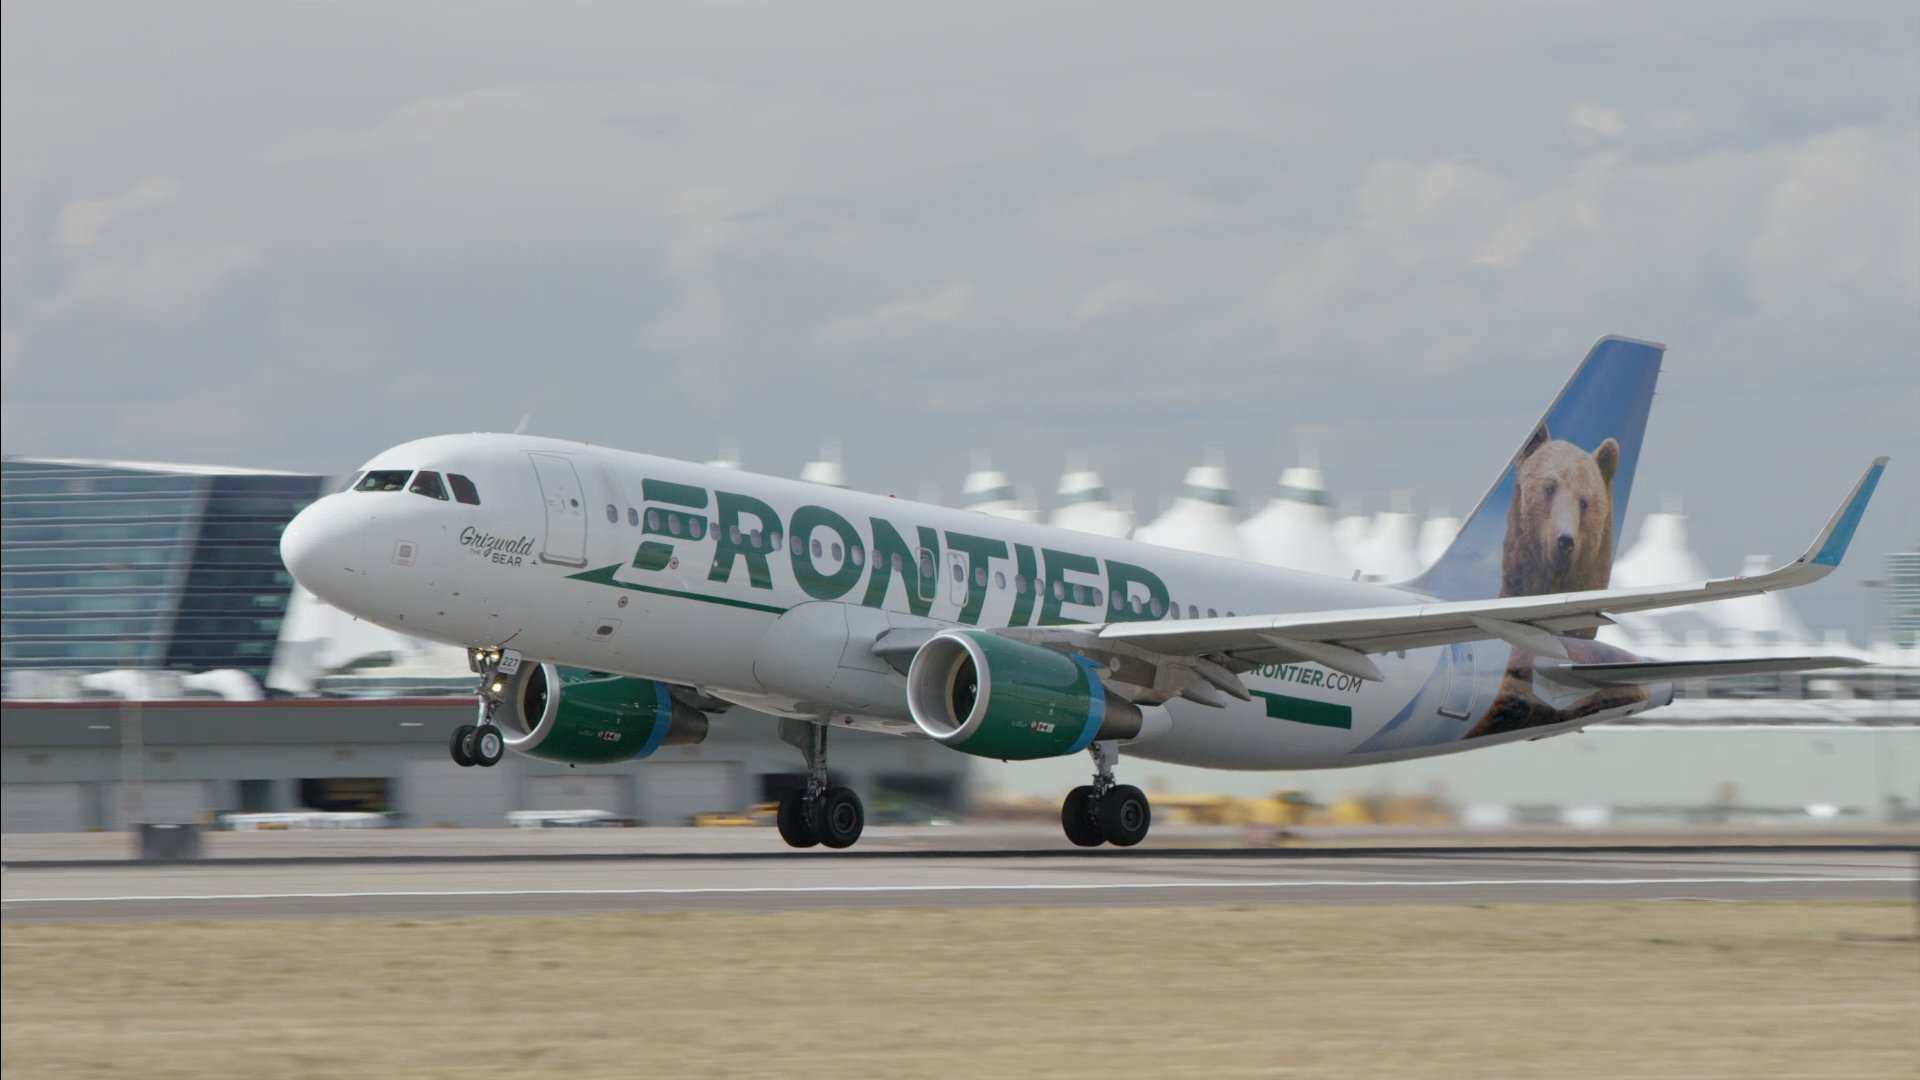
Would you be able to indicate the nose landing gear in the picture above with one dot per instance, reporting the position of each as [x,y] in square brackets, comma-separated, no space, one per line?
[1104,812]
[483,744]
[819,814]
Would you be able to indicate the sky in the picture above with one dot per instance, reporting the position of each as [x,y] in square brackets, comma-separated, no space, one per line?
[1378,235]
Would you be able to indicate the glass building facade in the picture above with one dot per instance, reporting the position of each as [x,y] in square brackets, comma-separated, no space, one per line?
[1903,598]
[122,564]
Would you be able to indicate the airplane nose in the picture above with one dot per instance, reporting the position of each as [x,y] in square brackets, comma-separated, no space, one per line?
[321,545]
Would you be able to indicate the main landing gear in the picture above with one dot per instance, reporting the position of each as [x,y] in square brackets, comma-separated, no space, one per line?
[819,814]
[482,744]
[1104,812]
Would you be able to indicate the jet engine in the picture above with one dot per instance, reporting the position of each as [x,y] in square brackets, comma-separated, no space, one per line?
[583,717]
[992,696]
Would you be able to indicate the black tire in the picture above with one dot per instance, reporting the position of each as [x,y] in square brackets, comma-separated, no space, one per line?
[1078,820]
[486,745]
[796,828]
[840,818]
[460,746]
[1125,815]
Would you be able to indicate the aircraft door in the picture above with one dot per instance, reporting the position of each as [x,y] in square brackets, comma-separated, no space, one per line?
[1458,703]
[566,542]
[957,574]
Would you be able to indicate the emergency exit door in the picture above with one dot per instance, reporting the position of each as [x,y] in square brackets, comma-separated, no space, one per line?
[566,541]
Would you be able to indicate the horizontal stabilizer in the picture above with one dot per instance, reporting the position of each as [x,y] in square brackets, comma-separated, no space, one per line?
[1636,672]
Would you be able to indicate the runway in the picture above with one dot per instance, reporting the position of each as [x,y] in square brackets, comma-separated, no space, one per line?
[427,887]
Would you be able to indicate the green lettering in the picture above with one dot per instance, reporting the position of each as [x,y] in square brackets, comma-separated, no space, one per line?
[979,550]
[1058,563]
[1023,565]
[667,491]
[732,541]
[887,546]
[818,585]
[1122,575]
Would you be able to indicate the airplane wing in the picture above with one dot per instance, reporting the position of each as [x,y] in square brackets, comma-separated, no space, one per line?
[1631,672]
[1212,649]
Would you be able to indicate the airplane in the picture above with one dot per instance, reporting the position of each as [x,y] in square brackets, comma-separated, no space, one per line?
[610,601]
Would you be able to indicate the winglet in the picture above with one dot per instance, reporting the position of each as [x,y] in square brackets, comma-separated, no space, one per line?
[1831,544]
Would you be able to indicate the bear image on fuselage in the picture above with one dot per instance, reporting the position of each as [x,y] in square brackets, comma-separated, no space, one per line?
[1559,539]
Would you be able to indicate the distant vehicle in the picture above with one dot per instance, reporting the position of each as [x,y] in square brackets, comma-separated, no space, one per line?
[566,819]
[610,600]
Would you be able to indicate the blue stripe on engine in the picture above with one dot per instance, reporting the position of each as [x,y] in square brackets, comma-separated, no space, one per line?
[1096,704]
[662,719]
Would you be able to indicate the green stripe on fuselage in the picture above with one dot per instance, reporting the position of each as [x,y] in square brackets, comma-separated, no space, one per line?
[1303,711]
[604,576]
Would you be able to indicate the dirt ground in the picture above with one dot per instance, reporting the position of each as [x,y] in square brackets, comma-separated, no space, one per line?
[1663,989]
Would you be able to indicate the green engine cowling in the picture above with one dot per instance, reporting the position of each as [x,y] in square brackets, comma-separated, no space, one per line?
[992,696]
[583,717]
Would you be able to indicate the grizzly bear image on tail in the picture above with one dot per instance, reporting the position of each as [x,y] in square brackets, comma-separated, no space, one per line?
[1559,539]
[1560,523]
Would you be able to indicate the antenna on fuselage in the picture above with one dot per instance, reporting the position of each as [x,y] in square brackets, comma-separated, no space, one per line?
[521,427]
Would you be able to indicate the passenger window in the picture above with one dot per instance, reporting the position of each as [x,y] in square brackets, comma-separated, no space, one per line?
[633,516]
[1212,614]
[1020,584]
[1000,580]
[697,527]
[1192,612]
[819,551]
[653,519]
[613,514]
[959,572]
[384,480]
[980,577]
[463,489]
[428,484]
[836,554]
[857,554]
[1156,608]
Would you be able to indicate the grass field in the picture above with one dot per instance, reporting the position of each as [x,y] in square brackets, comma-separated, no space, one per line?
[1667,989]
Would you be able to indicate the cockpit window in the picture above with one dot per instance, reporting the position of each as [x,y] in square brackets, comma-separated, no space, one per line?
[428,484]
[384,480]
[463,489]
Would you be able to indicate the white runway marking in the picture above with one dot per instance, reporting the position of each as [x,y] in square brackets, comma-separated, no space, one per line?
[1027,887]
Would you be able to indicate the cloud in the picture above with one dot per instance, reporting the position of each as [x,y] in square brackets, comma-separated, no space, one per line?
[1110,297]
[167,280]
[1137,114]
[83,220]
[1596,120]
[942,306]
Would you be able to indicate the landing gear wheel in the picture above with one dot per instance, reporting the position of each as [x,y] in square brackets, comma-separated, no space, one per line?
[1125,815]
[1077,817]
[460,746]
[486,745]
[840,818]
[793,821]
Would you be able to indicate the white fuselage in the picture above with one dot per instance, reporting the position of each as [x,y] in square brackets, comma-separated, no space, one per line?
[590,557]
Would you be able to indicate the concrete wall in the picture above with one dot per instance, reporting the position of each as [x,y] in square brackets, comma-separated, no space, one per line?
[62,763]
[1621,767]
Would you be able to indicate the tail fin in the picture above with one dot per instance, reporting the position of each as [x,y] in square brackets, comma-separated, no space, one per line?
[1555,537]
